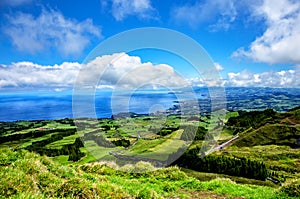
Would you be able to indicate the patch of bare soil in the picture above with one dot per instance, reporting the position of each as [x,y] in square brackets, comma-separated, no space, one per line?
[205,195]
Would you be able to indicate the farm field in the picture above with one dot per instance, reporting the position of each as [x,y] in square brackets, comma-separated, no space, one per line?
[264,152]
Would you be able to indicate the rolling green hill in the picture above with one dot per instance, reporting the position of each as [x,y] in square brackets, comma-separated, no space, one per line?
[271,134]
[28,175]
[266,128]
[56,158]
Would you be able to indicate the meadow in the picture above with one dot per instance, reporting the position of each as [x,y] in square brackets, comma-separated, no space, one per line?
[125,157]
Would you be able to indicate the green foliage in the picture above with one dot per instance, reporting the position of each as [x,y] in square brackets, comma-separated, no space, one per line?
[99,139]
[223,186]
[203,176]
[35,134]
[281,161]
[121,142]
[192,132]
[28,175]
[164,132]
[225,165]
[147,194]
[295,109]
[291,188]
[253,119]
[270,134]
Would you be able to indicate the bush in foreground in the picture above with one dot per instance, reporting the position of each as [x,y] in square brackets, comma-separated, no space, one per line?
[291,188]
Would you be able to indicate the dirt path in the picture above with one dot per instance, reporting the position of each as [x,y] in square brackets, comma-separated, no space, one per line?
[288,119]
[222,145]
[206,194]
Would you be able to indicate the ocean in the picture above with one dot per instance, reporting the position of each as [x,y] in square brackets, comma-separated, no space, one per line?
[53,105]
[58,105]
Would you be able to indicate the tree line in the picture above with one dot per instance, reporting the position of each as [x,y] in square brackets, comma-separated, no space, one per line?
[254,119]
[34,134]
[242,167]
[73,150]
[69,149]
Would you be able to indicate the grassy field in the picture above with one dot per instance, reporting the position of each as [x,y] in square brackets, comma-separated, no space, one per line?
[28,175]
[66,140]
[152,137]
[281,159]
[163,150]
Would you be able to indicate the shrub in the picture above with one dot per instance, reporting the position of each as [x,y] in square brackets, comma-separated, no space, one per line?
[147,193]
[8,156]
[142,167]
[127,168]
[291,188]
[171,173]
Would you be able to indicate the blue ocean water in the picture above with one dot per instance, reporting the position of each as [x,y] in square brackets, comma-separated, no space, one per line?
[53,105]
[57,105]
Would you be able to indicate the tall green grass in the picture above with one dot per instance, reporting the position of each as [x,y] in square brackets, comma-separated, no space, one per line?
[28,175]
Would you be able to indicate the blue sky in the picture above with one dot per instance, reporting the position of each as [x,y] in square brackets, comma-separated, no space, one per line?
[252,42]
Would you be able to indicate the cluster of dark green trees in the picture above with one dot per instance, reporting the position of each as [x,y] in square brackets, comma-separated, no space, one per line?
[254,119]
[190,132]
[70,149]
[59,134]
[11,127]
[163,131]
[121,142]
[224,165]
[35,134]
[99,139]
[73,150]
[193,132]
[167,130]
[15,126]
[23,125]
[66,121]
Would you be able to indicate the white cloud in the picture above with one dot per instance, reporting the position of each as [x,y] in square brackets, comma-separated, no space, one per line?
[208,82]
[122,70]
[284,79]
[108,71]
[280,43]
[218,13]
[50,30]
[218,66]
[30,75]
[121,9]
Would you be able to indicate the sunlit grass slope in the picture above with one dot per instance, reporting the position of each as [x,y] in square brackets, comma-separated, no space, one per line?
[28,175]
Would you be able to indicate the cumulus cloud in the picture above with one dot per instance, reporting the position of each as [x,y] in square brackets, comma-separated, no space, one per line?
[218,66]
[124,71]
[50,30]
[283,79]
[218,13]
[200,82]
[121,9]
[30,75]
[281,40]
[109,71]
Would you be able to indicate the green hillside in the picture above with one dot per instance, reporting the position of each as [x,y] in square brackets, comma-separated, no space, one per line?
[28,175]
[273,141]
[276,134]
[266,128]
[256,153]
